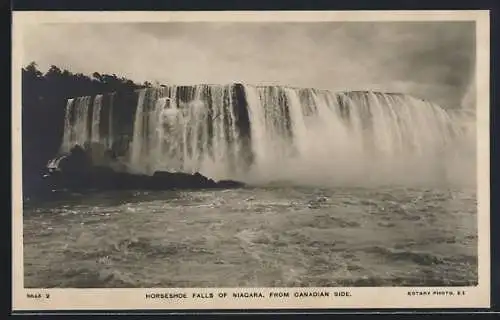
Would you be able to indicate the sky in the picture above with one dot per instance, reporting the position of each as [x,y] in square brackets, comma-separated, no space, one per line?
[430,60]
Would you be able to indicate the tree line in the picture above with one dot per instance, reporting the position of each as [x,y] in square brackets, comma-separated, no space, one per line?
[44,97]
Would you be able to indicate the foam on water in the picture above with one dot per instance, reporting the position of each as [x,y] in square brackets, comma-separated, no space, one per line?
[282,237]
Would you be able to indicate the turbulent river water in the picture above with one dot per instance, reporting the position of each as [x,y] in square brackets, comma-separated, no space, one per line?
[266,236]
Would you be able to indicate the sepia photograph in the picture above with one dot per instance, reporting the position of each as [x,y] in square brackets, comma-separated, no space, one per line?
[247,153]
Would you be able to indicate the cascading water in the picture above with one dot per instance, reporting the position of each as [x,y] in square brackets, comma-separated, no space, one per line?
[110,121]
[366,137]
[68,129]
[78,113]
[96,118]
[266,133]
[139,135]
[196,135]
[347,137]
[81,128]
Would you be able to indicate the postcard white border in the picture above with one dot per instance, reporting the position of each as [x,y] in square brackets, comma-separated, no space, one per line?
[377,297]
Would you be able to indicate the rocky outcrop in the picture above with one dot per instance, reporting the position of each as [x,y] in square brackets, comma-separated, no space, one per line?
[75,171]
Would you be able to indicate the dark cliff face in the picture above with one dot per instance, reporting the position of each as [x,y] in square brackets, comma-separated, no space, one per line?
[75,171]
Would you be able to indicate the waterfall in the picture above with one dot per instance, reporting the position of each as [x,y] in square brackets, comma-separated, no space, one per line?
[262,133]
[110,121]
[80,126]
[68,128]
[138,135]
[96,118]
[200,134]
